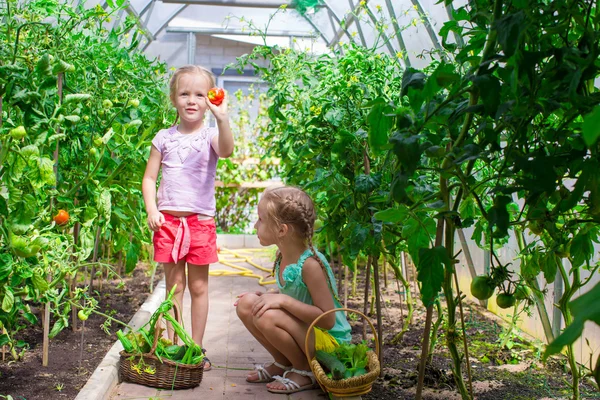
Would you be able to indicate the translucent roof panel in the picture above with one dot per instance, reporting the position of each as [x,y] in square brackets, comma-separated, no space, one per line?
[407,28]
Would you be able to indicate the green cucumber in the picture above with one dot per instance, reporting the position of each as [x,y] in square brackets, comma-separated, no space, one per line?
[332,364]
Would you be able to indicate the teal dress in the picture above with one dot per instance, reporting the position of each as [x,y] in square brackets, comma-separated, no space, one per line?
[294,286]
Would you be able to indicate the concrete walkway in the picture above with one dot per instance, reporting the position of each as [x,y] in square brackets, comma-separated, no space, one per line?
[231,348]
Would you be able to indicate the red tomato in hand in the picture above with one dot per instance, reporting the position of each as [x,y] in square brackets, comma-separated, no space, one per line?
[61,218]
[216,95]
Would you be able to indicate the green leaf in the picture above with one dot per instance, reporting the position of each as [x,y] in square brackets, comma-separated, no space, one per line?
[509,30]
[89,216]
[8,301]
[133,251]
[431,272]
[6,263]
[39,283]
[104,204]
[4,339]
[498,216]
[59,325]
[407,150]
[43,67]
[582,249]
[393,215]
[367,183]
[412,79]
[86,242]
[585,308]
[591,127]
[489,90]
[76,98]
[549,265]
[379,126]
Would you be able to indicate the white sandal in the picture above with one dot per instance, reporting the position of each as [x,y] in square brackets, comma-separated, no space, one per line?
[263,375]
[290,385]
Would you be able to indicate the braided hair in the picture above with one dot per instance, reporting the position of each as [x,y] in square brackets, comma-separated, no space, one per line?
[293,207]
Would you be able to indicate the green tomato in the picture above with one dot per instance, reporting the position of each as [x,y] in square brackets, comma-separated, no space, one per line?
[107,104]
[18,133]
[482,287]
[522,292]
[98,142]
[82,315]
[93,152]
[505,300]
[135,103]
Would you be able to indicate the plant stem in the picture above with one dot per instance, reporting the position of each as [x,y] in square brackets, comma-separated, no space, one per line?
[434,331]
[425,346]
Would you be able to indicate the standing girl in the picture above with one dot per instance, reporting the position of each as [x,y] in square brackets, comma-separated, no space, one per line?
[183,217]
[286,218]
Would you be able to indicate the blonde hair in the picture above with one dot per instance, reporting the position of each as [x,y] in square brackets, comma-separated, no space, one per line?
[188,69]
[293,207]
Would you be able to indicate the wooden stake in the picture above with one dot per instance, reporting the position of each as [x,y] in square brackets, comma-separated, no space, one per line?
[366,302]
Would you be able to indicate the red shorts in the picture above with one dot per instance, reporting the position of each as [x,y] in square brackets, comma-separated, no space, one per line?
[186,238]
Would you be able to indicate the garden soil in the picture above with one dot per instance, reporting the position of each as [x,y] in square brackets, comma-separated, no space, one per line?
[68,367]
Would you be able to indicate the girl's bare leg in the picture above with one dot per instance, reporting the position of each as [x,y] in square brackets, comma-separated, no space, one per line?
[198,284]
[244,312]
[286,333]
[175,275]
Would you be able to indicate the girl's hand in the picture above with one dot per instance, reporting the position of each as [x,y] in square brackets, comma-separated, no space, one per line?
[239,296]
[267,302]
[220,111]
[155,221]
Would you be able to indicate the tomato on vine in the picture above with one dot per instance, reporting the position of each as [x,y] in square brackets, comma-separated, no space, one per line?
[505,300]
[216,95]
[18,133]
[61,218]
[522,292]
[482,287]
[82,315]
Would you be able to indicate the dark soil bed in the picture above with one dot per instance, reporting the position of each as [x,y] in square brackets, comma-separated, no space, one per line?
[498,374]
[69,368]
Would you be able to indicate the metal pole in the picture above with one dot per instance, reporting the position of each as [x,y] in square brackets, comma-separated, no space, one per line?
[191,42]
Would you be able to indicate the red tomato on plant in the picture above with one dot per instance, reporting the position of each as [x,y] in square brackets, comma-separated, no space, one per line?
[216,95]
[61,218]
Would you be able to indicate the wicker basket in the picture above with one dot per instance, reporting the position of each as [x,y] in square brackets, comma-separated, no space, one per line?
[354,386]
[167,374]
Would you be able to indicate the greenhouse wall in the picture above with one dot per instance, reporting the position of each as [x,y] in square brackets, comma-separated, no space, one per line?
[211,52]
[530,324]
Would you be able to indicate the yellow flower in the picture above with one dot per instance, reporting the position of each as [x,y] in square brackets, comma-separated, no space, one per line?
[283,6]
[354,33]
[400,54]
[353,78]
[150,370]
[378,7]
[415,7]
[363,3]
[414,22]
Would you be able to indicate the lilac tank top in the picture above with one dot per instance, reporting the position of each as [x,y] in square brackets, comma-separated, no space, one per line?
[189,165]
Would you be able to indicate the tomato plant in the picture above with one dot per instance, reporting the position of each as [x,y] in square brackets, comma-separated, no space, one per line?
[497,135]
[88,88]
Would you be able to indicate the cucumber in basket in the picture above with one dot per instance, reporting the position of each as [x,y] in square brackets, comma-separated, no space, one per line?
[332,364]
